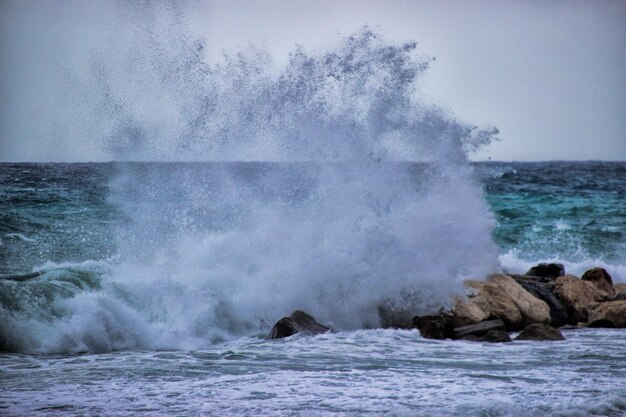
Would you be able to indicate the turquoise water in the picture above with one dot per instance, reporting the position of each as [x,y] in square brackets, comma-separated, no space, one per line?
[574,212]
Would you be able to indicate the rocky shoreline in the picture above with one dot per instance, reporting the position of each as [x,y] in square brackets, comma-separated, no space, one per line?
[535,304]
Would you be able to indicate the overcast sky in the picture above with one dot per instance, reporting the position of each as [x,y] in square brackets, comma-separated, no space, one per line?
[550,75]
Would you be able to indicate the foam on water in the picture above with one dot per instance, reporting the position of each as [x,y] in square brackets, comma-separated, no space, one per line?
[366,372]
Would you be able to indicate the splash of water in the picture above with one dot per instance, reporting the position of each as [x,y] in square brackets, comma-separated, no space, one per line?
[326,185]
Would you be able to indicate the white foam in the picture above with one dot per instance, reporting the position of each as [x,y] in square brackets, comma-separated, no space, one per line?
[513,263]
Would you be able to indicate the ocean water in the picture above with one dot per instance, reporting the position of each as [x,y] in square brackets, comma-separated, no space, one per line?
[84,339]
[327,184]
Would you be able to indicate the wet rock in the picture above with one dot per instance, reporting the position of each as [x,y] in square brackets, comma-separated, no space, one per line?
[544,270]
[435,326]
[496,336]
[601,279]
[297,322]
[492,336]
[510,302]
[609,314]
[394,318]
[540,331]
[577,296]
[479,329]
[620,296]
[501,305]
[471,310]
[543,291]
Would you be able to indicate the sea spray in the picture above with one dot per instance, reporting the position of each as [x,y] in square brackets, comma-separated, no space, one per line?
[326,185]
[363,196]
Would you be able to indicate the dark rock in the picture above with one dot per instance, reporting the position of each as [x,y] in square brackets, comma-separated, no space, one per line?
[479,329]
[393,318]
[540,331]
[496,336]
[492,336]
[297,322]
[601,279]
[435,326]
[603,323]
[543,291]
[471,338]
[546,270]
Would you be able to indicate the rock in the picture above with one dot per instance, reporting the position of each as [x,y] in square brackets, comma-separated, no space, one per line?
[392,317]
[620,291]
[471,310]
[543,291]
[533,310]
[297,322]
[492,336]
[540,331]
[500,297]
[577,296]
[435,326]
[608,314]
[601,279]
[496,336]
[501,305]
[479,329]
[471,338]
[546,270]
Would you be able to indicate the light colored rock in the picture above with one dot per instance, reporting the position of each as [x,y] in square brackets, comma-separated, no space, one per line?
[502,306]
[578,296]
[533,309]
[470,310]
[500,297]
[608,314]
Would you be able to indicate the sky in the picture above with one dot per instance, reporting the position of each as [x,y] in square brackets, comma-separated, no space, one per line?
[550,75]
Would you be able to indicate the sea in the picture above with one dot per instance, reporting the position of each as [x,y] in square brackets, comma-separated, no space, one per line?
[159,282]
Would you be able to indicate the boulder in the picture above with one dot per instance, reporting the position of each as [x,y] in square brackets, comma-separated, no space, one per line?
[492,336]
[533,310]
[540,331]
[608,314]
[601,279]
[392,317]
[620,291]
[510,302]
[471,310]
[435,326]
[496,336]
[297,322]
[577,296]
[479,329]
[543,291]
[544,270]
[501,305]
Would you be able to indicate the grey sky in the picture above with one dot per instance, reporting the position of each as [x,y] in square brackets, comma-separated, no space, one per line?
[550,75]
